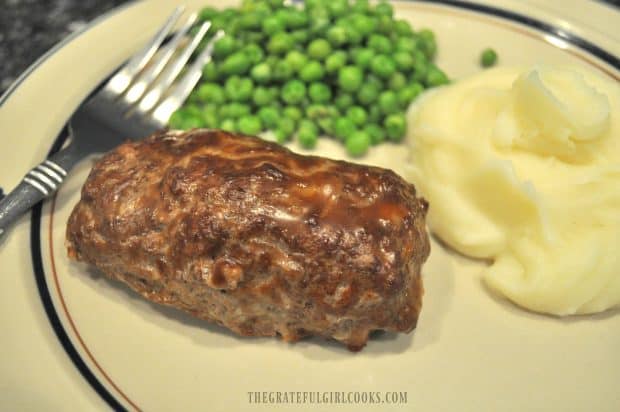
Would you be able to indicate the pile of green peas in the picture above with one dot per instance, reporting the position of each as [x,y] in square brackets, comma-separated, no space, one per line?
[338,68]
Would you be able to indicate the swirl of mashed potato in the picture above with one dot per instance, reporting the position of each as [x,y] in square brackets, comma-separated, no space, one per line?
[522,166]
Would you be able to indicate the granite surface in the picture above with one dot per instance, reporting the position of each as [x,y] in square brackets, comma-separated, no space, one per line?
[28,28]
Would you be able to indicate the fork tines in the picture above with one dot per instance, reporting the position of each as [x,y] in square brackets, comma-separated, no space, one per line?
[149,82]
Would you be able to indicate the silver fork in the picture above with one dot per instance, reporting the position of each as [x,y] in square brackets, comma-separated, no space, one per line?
[137,101]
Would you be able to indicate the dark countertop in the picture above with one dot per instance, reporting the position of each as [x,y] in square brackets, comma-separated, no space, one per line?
[28,28]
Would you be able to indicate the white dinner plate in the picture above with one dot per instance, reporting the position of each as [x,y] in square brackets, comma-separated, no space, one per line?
[74,341]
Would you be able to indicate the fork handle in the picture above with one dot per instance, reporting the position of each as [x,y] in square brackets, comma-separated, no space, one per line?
[39,183]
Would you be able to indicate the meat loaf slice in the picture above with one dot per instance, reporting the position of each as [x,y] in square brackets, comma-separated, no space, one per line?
[247,234]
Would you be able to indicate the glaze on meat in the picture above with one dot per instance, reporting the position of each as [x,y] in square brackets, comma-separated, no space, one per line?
[249,235]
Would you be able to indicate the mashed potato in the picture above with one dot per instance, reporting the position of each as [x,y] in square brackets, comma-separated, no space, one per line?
[523,167]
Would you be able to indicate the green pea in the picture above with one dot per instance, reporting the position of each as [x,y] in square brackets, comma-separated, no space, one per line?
[403,61]
[292,112]
[350,78]
[282,13]
[337,36]
[282,71]
[296,59]
[307,138]
[332,111]
[395,126]
[280,43]
[209,108]
[211,92]
[403,28]
[388,102]
[254,53]
[272,25]
[177,119]
[250,125]
[223,111]
[374,114]
[345,66]
[435,77]
[364,24]
[368,93]
[262,96]
[357,114]
[224,46]
[237,110]
[269,116]
[192,110]
[427,43]
[316,9]
[297,19]
[408,94]
[316,111]
[261,73]
[208,13]
[397,81]
[238,89]
[376,133]
[275,92]
[361,6]
[488,57]
[319,49]
[287,124]
[193,122]
[293,92]
[284,128]
[343,101]
[300,36]
[318,26]
[210,72]
[193,97]
[426,34]
[271,60]
[236,63]
[250,21]
[210,120]
[338,8]
[363,57]
[335,61]
[420,68]
[319,93]
[326,124]
[384,25]
[380,44]
[357,143]
[308,124]
[229,13]
[217,23]
[382,66]
[343,127]
[263,9]
[354,36]
[252,37]
[228,125]
[384,8]
[313,71]
[374,80]
[406,44]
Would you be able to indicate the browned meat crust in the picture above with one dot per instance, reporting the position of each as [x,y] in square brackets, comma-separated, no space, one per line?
[258,239]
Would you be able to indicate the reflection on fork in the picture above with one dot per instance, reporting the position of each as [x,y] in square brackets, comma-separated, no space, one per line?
[137,101]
